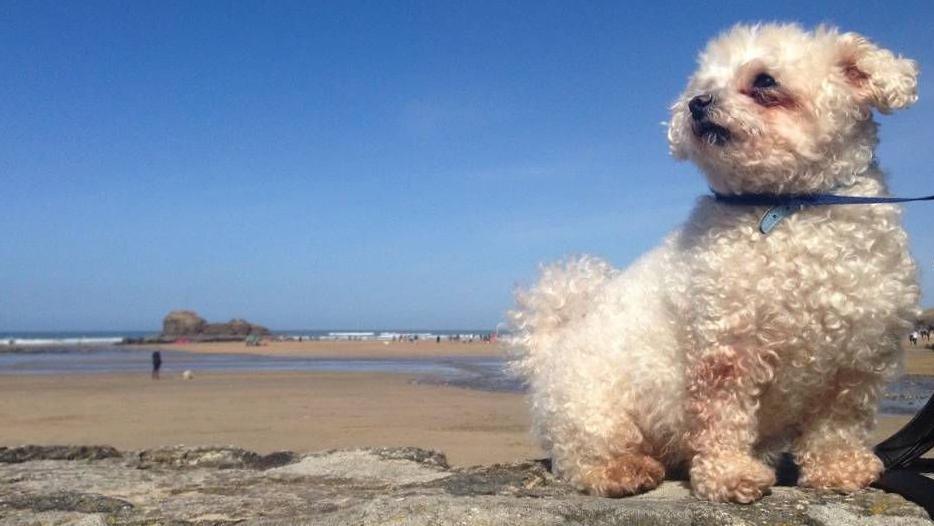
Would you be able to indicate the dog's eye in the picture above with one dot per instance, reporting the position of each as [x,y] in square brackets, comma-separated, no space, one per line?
[763,80]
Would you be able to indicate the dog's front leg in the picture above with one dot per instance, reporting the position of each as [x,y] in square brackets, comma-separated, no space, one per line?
[723,386]
[832,449]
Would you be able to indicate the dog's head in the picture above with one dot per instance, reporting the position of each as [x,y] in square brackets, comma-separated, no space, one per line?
[775,108]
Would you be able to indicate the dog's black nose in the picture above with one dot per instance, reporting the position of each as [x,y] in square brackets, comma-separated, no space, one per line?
[698,106]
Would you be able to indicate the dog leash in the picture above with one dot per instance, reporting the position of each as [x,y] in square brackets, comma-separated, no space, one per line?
[904,468]
[784,205]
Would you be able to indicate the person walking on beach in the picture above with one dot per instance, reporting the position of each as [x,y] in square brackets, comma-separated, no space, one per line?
[156,364]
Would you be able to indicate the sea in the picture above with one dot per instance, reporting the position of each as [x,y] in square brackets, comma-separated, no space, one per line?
[84,338]
[51,338]
[100,352]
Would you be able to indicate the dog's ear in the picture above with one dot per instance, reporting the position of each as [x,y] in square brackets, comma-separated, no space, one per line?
[879,77]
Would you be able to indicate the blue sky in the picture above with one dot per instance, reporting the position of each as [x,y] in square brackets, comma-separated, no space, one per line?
[360,164]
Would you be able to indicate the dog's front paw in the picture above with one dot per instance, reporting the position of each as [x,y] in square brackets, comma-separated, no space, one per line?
[624,475]
[839,469]
[730,478]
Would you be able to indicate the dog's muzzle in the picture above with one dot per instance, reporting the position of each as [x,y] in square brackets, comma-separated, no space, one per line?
[703,127]
[698,106]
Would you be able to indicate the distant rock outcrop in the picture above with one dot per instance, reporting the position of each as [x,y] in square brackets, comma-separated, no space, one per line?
[187,324]
[374,486]
[236,327]
[182,323]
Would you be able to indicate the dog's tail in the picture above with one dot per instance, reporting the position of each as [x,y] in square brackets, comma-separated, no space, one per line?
[561,295]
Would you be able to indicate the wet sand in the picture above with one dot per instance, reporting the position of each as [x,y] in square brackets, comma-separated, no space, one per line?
[336,350]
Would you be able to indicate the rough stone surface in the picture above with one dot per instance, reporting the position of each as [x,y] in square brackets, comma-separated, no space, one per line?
[211,457]
[13,455]
[226,485]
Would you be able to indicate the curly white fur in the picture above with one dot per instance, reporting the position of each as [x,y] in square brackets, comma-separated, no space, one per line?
[723,345]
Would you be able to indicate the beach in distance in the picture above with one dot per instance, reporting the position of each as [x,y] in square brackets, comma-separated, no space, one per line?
[339,395]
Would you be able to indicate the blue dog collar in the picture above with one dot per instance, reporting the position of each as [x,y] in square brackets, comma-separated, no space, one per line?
[784,205]
[773,216]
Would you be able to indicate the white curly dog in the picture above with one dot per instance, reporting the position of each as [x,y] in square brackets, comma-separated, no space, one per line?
[725,345]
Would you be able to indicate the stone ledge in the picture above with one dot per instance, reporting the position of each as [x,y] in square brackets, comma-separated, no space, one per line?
[227,485]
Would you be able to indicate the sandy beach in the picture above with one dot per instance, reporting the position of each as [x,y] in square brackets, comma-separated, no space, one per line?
[265,412]
[919,360]
[301,411]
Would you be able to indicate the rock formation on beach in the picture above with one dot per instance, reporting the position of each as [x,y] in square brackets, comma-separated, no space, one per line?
[182,323]
[226,485]
[187,324]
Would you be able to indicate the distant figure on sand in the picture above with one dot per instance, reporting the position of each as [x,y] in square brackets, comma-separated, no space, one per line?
[156,364]
[913,338]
